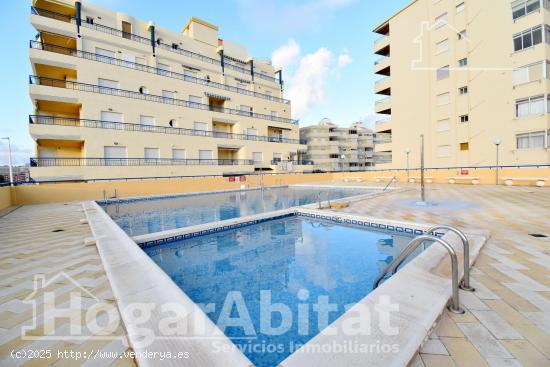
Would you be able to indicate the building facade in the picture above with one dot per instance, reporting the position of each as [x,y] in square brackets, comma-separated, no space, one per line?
[333,148]
[116,97]
[471,76]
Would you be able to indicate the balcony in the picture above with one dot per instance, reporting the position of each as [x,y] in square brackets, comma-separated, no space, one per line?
[383,106]
[382,66]
[382,138]
[382,125]
[91,88]
[228,64]
[382,46]
[99,162]
[48,47]
[383,157]
[383,86]
[38,120]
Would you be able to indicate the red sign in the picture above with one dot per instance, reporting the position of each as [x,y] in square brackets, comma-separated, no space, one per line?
[231,179]
[464,172]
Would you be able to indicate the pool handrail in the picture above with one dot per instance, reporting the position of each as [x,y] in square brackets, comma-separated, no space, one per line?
[408,250]
[465,285]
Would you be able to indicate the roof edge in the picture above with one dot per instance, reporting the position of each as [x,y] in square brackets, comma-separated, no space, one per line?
[380,25]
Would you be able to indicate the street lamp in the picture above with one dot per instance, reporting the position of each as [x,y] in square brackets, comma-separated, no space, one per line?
[497,142]
[408,151]
[9,159]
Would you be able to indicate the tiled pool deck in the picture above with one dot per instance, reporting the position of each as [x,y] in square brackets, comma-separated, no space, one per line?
[507,322]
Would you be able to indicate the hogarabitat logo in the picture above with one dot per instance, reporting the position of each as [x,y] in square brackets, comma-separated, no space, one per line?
[65,310]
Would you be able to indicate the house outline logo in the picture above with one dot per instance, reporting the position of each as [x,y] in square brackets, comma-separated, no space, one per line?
[41,283]
[427,27]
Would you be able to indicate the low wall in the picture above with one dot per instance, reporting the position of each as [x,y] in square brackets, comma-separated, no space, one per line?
[62,192]
[5,197]
[486,176]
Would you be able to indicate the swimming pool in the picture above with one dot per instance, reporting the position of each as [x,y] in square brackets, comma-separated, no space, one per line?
[298,261]
[143,216]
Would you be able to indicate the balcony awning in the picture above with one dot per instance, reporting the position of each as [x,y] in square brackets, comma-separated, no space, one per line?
[217,96]
[229,147]
[279,128]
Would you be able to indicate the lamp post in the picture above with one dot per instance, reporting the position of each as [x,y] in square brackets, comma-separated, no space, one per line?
[497,142]
[343,157]
[408,151]
[9,159]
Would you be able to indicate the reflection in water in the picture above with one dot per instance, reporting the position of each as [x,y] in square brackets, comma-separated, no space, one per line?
[148,216]
[283,256]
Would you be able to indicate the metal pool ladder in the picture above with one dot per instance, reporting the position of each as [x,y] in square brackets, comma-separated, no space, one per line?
[416,242]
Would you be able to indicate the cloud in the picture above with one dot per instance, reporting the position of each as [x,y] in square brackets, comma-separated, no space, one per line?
[307,75]
[271,16]
[286,55]
[19,155]
[369,120]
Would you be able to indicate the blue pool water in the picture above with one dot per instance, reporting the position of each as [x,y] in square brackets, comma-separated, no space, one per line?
[149,216]
[287,257]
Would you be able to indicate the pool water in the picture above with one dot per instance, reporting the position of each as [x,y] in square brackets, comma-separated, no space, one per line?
[297,259]
[150,216]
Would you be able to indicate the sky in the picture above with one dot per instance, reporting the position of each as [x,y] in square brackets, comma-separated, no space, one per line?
[324,47]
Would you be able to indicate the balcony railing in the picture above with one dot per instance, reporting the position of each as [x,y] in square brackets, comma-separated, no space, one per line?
[382,80]
[380,122]
[380,38]
[147,41]
[380,60]
[83,87]
[101,124]
[95,162]
[383,100]
[149,69]
[298,162]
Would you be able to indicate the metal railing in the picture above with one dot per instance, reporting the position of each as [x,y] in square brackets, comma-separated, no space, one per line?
[83,87]
[413,245]
[148,69]
[71,162]
[147,41]
[297,162]
[381,60]
[379,122]
[383,100]
[381,80]
[102,124]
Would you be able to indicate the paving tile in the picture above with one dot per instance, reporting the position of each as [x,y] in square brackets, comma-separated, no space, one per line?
[434,346]
[464,353]
[483,341]
[496,325]
[526,353]
[437,361]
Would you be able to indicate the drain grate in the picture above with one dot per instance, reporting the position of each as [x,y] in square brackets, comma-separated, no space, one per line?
[538,235]
[58,230]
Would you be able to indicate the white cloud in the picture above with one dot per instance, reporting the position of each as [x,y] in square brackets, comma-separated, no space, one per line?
[19,155]
[307,76]
[286,55]
[344,60]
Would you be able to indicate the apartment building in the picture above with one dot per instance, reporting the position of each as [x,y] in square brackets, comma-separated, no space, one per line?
[116,97]
[467,74]
[333,148]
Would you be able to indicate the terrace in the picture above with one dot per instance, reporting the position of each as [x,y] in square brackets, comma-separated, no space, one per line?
[506,318]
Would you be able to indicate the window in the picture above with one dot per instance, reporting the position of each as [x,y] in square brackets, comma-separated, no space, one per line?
[277,157]
[463,90]
[533,140]
[163,69]
[200,128]
[530,73]
[443,151]
[139,60]
[106,83]
[169,94]
[463,62]
[443,73]
[334,156]
[115,156]
[105,55]
[460,8]
[251,133]
[257,157]
[241,86]
[443,99]
[464,146]
[126,30]
[442,46]
[441,21]
[151,153]
[189,73]
[147,120]
[143,90]
[273,115]
[173,123]
[178,153]
[528,38]
[89,20]
[524,7]
[443,125]
[111,120]
[247,110]
[530,106]
[195,99]
[174,46]
[461,35]
[205,154]
[464,118]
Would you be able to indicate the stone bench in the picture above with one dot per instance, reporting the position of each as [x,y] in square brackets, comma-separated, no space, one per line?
[427,179]
[473,180]
[353,179]
[539,181]
[385,179]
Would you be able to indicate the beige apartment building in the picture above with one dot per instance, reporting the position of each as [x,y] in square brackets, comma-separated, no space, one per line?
[334,148]
[117,97]
[466,74]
